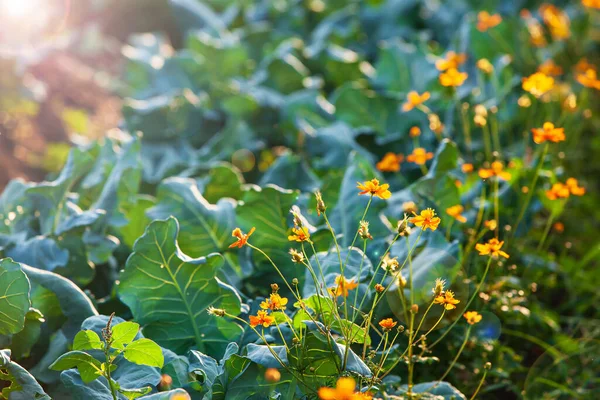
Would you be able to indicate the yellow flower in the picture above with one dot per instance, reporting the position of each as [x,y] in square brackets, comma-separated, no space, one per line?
[390,162]
[390,264]
[486,21]
[343,286]
[447,300]
[591,3]
[453,77]
[274,302]
[426,219]
[414,99]
[415,131]
[261,318]
[485,66]
[373,188]
[472,317]
[419,156]
[536,32]
[538,84]
[524,101]
[589,79]
[452,60]
[549,68]
[491,248]
[387,324]
[299,235]
[548,132]
[272,375]
[574,187]
[491,224]
[242,238]
[456,213]
[344,390]
[497,169]
[556,20]
[180,396]
[297,257]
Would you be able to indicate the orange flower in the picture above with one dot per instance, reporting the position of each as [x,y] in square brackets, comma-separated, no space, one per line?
[387,324]
[486,21]
[538,83]
[452,60]
[574,187]
[456,213]
[559,227]
[447,300]
[466,168]
[299,235]
[472,317]
[415,131]
[549,68]
[343,286]
[426,219]
[453,77]
[558,191]
[261,318]
[242,238]
[414,99]
[419,156]
[589,79]
[492,248]
[274,302]
[591,3]
[390,162]
[497,169]
[583,65]
[344,390]
[556,20]
[373,188]
[548,132]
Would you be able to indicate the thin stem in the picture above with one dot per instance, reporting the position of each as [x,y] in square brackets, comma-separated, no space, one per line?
[480,385]
[423,319]
[487,268]
[487,142]
[496,204]
[462,347]
[538,167]
[410,353]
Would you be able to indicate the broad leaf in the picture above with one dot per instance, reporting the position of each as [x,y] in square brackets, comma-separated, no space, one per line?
[14,297]
[169,292]
[22,385]
[89,368]
[87,340]
[144,352]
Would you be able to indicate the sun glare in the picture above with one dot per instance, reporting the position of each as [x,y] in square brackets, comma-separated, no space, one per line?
[18,8]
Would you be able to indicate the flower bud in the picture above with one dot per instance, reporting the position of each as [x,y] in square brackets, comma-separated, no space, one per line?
[487,365]
[320,203]
[403,229]
[165,382]
[363,230]
[274,287]
[272,375]
[414,309]
[218,312]
[400,328]
[295,281]
[297,257]
[379,288]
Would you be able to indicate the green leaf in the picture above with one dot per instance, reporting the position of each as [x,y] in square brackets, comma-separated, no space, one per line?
[22,386]
[124,333]
[89,368]
[22,342]
[168,292]
[87,340]
[204,227]
[14,297]
[144,352]
[135,393]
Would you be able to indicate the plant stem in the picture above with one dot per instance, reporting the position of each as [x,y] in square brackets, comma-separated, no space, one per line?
[487,268]
[538,167]
[480,385]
